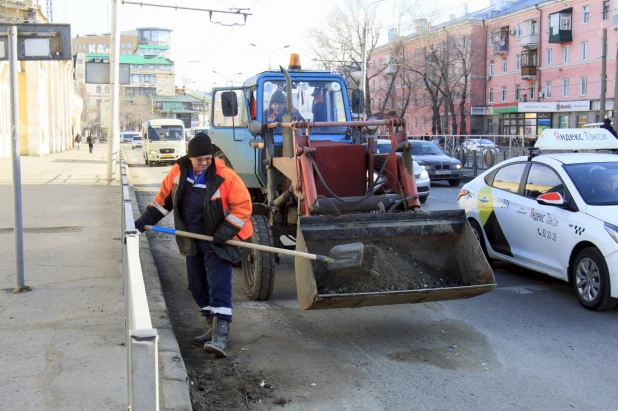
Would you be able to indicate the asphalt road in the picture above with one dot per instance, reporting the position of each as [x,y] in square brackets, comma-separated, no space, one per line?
[528,345]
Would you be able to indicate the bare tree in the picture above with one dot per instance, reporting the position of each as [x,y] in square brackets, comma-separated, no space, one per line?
[135,109]
[338,44]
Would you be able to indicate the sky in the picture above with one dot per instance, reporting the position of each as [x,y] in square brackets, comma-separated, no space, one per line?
[200,47]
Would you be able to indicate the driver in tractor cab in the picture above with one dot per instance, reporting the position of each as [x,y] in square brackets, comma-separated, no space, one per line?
[277,108]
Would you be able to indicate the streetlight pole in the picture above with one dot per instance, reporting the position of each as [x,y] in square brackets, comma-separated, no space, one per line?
[272,51]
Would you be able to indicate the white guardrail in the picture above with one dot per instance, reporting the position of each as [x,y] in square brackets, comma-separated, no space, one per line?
[141,340]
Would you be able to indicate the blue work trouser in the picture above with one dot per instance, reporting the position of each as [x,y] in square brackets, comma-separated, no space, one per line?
[210,281]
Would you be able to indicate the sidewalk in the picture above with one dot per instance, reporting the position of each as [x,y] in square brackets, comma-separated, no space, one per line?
[62,343]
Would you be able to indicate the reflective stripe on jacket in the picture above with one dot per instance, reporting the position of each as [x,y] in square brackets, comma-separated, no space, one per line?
[227,206]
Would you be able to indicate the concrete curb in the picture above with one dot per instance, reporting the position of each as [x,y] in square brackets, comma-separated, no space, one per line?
[173,378]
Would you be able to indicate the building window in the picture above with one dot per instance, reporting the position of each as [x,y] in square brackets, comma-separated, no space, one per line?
[415,54]
[504,65]
[566,54]
[423,123]
[106,89]
[565,87]
[517,92]
[548,57]
[373,84]
[415,100]
[565,21]
[139,67]
[532,91]
[452,70]
[415,123]
[583,86]
[98,89]
[548,25]
[518,62]
[490,93]
[548,89]
[491,68]
[564,121]
[585,14]
[123,53]
[150,67]
[424,99]
[122,45]
[605,9]
[465,42]
[518,36]
[585,50]
[503,93]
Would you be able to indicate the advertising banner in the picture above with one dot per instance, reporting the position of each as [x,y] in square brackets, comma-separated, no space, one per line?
[553,106]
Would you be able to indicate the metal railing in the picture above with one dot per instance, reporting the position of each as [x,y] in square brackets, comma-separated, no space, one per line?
[141,340]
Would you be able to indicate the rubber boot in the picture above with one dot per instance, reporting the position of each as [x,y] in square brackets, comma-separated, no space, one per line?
[219,339]
[207,336]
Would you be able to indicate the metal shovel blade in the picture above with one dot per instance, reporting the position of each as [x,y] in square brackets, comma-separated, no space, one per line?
[346,256]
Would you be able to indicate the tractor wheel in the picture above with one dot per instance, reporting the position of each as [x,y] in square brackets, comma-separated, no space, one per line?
[258,267]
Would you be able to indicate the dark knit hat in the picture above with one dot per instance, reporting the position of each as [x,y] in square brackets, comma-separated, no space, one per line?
[277,97]
[200,145]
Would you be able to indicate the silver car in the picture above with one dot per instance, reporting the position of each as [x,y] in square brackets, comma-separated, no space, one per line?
[423,183]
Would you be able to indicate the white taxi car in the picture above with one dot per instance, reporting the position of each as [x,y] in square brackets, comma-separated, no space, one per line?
[555,213]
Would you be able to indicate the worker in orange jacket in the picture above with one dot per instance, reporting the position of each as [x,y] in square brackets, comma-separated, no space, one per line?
[207,198]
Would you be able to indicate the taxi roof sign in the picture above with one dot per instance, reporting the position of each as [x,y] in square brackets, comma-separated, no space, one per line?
[576,139]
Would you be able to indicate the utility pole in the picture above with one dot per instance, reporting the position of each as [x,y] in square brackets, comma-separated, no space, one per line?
[604,76]
[114,65]
[615,117]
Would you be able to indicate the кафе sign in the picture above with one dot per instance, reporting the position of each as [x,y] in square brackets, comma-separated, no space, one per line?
[553,106]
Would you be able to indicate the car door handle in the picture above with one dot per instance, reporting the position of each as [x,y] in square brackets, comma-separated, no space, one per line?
[483,199]
[522,210]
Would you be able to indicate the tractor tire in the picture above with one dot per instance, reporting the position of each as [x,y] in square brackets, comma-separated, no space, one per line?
[258,267]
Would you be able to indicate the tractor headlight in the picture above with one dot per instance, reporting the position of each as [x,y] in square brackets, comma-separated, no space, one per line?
[612,231]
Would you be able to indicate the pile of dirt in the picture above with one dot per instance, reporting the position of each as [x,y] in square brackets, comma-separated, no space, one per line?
[384,269]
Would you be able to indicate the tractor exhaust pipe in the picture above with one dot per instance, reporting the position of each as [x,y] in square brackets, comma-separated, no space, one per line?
[288,148]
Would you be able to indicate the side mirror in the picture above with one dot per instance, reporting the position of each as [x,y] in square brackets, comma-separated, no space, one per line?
[358,101]
[551,199]
[229,104]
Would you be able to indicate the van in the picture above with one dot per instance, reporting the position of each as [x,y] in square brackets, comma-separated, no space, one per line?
[163,141]
[595,125]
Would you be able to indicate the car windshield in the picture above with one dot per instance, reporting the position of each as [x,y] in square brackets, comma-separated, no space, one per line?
[164,133]
[137,138]
[317,101]
[483,141]
[596,182]
[419,149]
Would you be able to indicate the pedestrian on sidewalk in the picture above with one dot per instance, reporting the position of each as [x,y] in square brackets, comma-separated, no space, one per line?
[90,142]
[78,141]
[209,198]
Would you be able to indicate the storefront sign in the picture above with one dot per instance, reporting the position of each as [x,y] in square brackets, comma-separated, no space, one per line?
[481,111]
[553,107]
[505,108]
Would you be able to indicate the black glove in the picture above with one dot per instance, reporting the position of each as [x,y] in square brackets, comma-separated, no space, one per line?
[140,224]
[218,241]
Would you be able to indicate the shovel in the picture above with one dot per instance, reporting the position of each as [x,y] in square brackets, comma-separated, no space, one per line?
[340,257]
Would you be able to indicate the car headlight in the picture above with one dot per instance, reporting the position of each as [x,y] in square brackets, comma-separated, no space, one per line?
[424,174]
[612,230]
[457,166]
[154,153]
[426,167]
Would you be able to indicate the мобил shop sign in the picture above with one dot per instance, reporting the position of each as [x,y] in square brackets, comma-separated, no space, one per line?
[553,106]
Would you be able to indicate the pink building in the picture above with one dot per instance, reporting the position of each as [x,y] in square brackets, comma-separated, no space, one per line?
[541,68]
[544,66]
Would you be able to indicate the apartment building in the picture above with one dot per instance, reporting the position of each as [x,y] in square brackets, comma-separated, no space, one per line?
[540,68]
[49,109]
[544,65]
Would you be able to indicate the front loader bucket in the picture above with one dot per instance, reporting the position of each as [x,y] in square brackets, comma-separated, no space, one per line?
[408,258]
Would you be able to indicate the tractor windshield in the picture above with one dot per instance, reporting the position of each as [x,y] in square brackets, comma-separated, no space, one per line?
[317,101]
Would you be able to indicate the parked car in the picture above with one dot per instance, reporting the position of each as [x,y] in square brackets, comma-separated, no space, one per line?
[553,213]
[136,142]
[479,144]
[128,136]
[439,166]
[423,183]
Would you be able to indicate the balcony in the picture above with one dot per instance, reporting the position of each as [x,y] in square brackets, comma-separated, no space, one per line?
[560,26]
[528,73]
[530,41]
[500,39]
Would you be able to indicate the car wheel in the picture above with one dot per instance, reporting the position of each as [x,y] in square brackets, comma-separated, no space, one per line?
[590,279]
[454,183]
[478,234]
[423,199]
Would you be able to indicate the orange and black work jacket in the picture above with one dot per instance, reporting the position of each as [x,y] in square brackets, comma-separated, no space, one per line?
[227,207]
